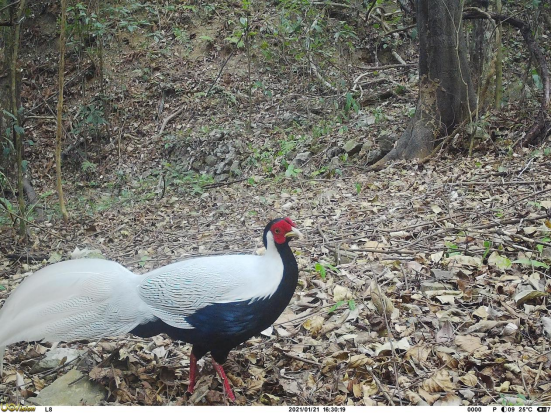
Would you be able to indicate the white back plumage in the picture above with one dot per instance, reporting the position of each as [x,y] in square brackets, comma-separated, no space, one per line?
[178,290]
[70,300]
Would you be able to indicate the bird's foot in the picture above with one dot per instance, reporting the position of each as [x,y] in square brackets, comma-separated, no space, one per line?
[227,388]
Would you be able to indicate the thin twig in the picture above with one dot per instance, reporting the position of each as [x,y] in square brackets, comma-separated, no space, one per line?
[15,3]
[296,357]
[381,388]
[472,183]
[401,29]
[218,184]
[383,67]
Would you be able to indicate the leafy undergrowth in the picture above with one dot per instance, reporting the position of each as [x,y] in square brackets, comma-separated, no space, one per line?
[418,284]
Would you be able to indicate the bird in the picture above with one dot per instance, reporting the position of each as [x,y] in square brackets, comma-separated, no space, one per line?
[214,303]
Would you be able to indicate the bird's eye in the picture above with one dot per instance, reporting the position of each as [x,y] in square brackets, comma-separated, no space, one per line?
[277,231]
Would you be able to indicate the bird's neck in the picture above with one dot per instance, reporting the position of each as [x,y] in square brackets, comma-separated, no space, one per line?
[289,280]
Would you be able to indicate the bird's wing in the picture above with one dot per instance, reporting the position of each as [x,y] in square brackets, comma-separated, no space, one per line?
[177,291]
[70,300]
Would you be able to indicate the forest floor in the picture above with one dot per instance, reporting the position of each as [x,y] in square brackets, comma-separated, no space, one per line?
[419,284]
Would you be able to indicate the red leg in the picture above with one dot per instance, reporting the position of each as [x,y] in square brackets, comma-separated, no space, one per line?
[220,370]
[192,372]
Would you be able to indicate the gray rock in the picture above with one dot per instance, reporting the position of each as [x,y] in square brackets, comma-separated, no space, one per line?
[211,160]
[54,358]
[196,165]
[386,143]
[352,147]
[373,156]
[222,167]
[302,158]
[221,177]
[366,120]
[231,154]
[335,162]
[62,393]
[216,134]
[479,132]
[334,151]
[222,150]
[235,168]
[240,146]
[366,147]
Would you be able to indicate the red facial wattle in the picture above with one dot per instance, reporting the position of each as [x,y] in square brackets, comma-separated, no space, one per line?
[280,228]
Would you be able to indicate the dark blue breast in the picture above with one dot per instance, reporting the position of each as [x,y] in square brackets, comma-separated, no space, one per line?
[216,322]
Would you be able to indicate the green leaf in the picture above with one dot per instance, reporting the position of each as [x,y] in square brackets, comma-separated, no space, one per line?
[7,204]
[451,245]
[531,263]
[143,260]
[321,269]
[499,261]
[292,171]
[9,114]
[333,308]
[332,267]
[351,304]
[487,246]
[537,81]
[54,257]
[2,288]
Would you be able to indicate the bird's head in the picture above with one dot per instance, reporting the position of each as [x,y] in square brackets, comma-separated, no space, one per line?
[282,230]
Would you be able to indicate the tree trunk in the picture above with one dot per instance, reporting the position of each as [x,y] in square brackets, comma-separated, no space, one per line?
[4,84]
[17,130]
[446,94]
[477,53]
[59,129]
[499,61]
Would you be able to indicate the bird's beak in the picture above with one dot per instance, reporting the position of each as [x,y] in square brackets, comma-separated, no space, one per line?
[294,233]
